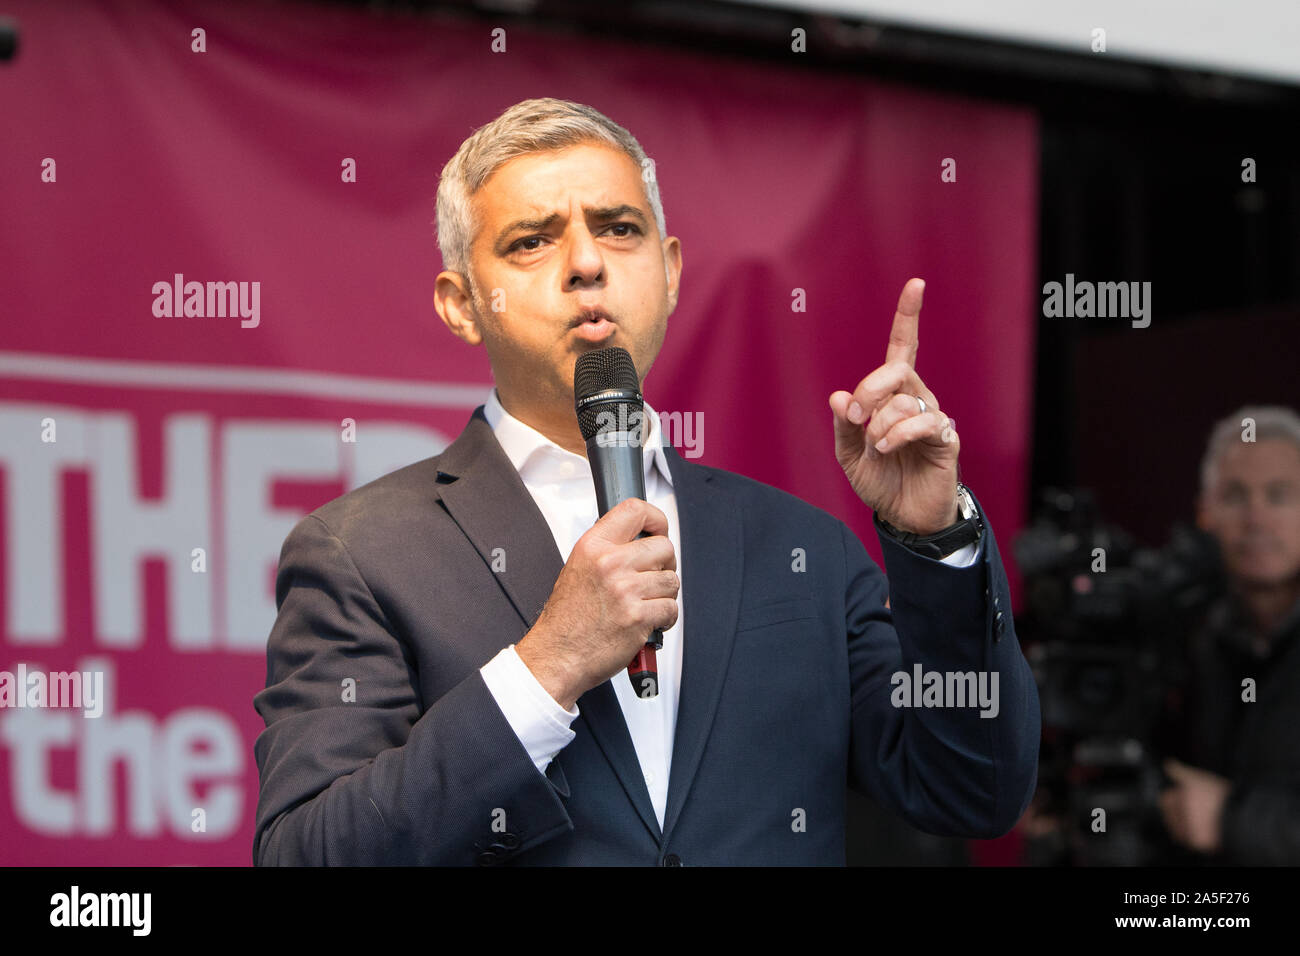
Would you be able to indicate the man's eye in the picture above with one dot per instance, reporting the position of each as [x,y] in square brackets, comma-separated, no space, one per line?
[632,227]
[1281,494]
[519,244]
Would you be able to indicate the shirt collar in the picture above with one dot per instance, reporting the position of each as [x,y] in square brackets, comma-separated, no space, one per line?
[1232,621]
[537,457]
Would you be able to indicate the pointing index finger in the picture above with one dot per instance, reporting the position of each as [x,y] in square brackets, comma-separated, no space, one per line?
[904,336]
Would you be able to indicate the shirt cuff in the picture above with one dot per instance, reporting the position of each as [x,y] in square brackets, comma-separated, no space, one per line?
[540,723]
[963,557]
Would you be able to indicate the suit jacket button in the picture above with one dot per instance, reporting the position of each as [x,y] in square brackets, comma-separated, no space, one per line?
[672,859]
[510,841]
[488,857]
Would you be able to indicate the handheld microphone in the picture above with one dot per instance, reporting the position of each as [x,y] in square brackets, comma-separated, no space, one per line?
[607,399]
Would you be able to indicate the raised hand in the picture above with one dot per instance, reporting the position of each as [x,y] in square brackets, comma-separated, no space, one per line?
[897,448]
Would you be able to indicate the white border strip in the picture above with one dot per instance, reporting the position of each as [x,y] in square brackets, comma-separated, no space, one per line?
[230,378]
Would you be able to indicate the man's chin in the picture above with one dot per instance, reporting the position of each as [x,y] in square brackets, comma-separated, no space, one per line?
[1260,575]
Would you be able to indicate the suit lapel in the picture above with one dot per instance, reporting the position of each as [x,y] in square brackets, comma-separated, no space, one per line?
[488,500]
[601,712]
[712,565]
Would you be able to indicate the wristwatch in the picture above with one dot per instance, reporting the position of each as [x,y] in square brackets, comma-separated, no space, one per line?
[966,530]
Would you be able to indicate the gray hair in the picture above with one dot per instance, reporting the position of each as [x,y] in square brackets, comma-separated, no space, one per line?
[531,126]
[1271,421]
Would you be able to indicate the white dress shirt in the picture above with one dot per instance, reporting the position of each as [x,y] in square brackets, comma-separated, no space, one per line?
[561,484]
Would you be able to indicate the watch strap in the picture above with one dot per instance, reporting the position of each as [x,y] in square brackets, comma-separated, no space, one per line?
[965,530]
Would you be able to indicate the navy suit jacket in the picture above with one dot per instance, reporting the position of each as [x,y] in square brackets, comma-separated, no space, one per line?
[785,694]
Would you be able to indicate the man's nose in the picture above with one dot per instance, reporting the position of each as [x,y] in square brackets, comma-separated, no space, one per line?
[1256,511]
[586,266]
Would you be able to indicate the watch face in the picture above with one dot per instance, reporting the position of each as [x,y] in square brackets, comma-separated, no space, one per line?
[964,502]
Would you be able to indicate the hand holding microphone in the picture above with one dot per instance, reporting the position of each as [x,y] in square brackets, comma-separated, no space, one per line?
[616,594]
[619,584]
[611,412]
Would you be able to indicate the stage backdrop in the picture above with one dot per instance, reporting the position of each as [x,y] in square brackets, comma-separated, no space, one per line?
[151,465]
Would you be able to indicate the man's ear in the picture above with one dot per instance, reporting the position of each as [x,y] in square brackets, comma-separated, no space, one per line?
[673,269]
[1202,512]
[455,305]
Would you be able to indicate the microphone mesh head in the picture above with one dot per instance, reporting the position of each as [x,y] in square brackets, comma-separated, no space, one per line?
[604,370]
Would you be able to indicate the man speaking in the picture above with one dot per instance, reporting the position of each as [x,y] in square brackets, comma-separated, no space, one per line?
[486,617]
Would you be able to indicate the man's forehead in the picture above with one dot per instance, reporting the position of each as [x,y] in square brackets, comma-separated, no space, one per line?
[1265,459]
[545,182]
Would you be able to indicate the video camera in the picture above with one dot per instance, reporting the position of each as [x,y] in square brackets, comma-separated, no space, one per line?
[1104,626]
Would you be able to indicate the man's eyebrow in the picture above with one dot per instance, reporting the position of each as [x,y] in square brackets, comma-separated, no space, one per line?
[599,214]
[605,213]
[529,225]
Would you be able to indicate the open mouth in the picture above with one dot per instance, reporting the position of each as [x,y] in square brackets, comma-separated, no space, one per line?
[595,331]
[594,326]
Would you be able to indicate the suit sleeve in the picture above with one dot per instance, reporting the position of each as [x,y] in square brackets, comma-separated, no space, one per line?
[384,778]
[1261,825]
[947,770]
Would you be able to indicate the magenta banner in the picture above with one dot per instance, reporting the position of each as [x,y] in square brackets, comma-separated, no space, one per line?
[216,274]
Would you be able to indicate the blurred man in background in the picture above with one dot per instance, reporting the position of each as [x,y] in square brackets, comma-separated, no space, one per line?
[1235,797]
